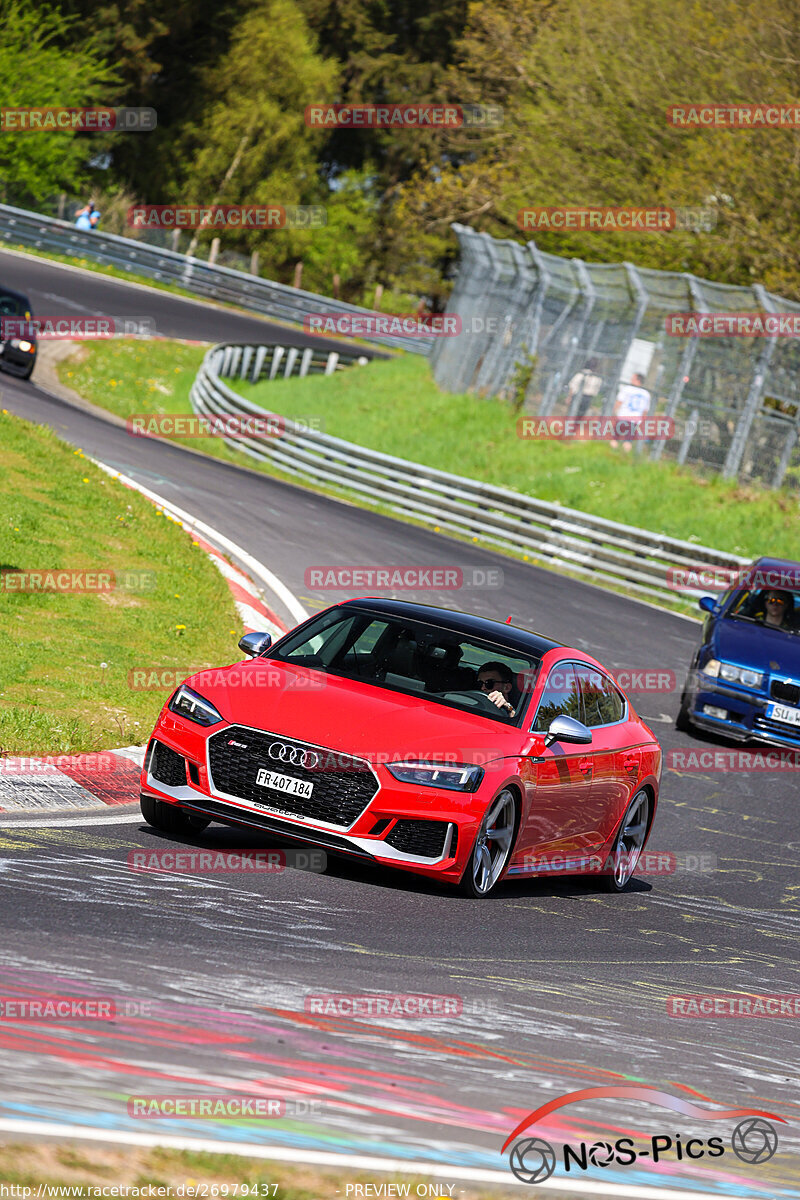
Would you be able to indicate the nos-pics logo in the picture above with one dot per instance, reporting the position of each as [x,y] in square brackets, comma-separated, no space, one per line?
[532,1159]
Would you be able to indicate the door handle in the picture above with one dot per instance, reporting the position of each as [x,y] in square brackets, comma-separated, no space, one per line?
[585,765]
[630,762]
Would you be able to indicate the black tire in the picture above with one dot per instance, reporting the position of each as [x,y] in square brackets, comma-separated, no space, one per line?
[683,721]
[620,881]
[168,817]
[506,807]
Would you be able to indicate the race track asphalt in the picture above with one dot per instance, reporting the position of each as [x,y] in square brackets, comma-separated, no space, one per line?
[563,987]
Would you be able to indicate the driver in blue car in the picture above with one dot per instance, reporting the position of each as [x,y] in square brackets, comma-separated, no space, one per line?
[497,679]
[778,607]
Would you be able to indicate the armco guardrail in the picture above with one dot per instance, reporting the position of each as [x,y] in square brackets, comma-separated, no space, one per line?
[602,550]
[212,282]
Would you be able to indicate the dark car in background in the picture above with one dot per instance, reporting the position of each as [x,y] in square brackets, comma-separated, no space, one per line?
[17,334]
[745,677]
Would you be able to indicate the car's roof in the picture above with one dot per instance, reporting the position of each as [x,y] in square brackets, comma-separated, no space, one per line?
[512,637]
[774,564]
[7,291]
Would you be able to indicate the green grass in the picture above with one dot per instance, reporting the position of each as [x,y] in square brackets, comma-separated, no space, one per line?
[65,657]
[397,408]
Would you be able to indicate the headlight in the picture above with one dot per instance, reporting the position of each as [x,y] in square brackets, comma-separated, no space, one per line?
[458,777]
[188,704]
[733,674]
[20,345]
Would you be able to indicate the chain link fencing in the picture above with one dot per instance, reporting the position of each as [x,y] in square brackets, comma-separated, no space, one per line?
[536,328]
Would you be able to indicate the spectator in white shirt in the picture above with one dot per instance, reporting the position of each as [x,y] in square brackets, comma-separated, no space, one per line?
[632,404]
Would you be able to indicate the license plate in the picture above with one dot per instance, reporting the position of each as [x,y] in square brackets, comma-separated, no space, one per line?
[286,783]
[779,712]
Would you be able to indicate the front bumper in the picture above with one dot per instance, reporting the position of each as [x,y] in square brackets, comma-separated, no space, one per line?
[747,719]
[426,830]
[17,362]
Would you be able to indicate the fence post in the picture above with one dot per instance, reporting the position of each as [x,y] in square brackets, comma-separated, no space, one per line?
[738,445]
[684,367]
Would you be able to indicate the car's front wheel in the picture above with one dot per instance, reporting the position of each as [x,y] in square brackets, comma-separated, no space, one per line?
[493,845]
[168,817]
[628,843]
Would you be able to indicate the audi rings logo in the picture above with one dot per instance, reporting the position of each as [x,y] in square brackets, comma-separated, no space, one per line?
[293,756]
[754,1140]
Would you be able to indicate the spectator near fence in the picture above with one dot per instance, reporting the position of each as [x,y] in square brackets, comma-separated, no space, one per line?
[632,404]
[583,388]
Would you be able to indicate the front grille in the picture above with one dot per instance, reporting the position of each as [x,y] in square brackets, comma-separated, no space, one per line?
[789,733]
[167,767]
[425,838]
[343,786]
[785,691]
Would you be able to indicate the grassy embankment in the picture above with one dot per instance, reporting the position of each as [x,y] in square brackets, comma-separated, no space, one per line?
[65,657]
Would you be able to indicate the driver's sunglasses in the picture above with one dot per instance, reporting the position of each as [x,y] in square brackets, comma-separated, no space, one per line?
[490,683]
[775,600]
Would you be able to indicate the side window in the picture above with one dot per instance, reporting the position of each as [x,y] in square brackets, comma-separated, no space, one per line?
[603,704]
[559,698]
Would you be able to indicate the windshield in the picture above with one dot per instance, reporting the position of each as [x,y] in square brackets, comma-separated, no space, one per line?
[776,608]
[417,658]
[13,306]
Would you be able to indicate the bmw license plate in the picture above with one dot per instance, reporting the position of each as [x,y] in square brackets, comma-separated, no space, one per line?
[287,783]
[779,712]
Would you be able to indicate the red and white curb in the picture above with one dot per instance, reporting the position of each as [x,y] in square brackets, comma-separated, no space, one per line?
[70,781]
[90,781]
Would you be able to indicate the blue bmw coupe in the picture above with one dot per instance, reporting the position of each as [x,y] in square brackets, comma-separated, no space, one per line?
[744,680]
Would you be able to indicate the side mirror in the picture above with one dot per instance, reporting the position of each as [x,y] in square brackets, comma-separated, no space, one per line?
[567,729]
[707,603]
[254,644]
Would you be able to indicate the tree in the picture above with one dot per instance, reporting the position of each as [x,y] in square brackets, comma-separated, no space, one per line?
[37,73]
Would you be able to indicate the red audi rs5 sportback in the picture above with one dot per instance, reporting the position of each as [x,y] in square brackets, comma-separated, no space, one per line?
[449,745]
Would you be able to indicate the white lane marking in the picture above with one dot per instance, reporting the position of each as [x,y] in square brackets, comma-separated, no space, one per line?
[358,1162]
[276,585]
[65,822]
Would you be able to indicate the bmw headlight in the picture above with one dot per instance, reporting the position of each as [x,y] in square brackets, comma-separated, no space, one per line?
[189,704]
[455,777]
[733,674]
[19,344]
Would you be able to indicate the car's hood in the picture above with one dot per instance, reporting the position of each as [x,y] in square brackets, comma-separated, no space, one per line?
[757,646]
[349,716]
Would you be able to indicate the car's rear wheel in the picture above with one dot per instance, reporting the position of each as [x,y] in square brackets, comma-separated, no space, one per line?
[493,845]
[628,843]
[168,817]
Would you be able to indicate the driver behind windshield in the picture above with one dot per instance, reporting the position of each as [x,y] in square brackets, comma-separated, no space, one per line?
[497,679]
[777,610]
